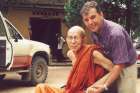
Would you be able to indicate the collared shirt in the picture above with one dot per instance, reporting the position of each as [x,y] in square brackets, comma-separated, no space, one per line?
[116,43]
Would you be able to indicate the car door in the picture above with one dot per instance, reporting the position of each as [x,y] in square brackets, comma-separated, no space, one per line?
[20,46]
[6,49]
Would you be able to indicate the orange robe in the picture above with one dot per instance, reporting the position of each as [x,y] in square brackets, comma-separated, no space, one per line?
[84,73]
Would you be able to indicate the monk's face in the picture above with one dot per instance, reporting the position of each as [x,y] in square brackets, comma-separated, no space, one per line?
[74,40]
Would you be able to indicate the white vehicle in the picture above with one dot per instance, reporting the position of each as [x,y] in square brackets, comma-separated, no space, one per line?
[136,44]
[17,54]
[138,61]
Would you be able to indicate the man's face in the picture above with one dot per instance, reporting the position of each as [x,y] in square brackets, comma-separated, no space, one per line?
[74,40]
[93,20]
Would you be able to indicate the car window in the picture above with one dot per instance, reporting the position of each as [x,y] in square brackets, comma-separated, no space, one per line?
[2,28]
[13,33]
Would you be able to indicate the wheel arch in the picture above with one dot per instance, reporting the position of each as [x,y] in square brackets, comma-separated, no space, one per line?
[42,54]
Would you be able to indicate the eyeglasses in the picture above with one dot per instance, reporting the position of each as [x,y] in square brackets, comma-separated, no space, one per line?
[75,38]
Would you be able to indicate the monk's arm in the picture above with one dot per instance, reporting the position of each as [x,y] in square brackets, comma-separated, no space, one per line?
[101,80]
[71,56]
[101,60]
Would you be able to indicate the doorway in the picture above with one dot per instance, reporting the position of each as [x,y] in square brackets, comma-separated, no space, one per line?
[45,30]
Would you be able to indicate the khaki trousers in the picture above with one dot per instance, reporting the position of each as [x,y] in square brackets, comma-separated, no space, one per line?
[127,81]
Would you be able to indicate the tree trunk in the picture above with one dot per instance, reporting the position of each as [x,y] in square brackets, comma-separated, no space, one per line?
[128,15]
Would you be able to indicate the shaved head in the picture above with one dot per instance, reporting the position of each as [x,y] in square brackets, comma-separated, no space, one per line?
[78,29]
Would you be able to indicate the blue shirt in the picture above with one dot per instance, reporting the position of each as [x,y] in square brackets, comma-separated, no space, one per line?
[116,43]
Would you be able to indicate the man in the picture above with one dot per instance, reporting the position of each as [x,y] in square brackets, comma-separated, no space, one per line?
[117,46]
[87,62]
[60,44]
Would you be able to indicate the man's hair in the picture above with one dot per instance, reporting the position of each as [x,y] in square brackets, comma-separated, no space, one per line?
[88,5]
[80,29]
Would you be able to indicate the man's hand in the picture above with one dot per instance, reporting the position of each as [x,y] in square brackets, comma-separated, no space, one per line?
[98,88]
[90,89]
[95,89]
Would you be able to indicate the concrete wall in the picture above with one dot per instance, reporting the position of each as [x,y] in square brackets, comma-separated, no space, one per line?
[20,19]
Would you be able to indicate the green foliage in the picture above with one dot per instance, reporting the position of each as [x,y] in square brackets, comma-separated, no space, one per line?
[72,9]
[136,34]
[136,17]
[113,10]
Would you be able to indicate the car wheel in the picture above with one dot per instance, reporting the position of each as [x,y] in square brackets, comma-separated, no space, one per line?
[2,77]
[38,71]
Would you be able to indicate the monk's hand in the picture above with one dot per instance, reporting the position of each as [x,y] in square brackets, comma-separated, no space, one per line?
[98,89]
[90,89]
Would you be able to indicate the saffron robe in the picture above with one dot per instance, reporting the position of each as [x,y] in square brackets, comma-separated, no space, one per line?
[83,74]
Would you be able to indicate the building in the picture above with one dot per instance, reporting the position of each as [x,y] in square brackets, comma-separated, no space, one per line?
[38,20]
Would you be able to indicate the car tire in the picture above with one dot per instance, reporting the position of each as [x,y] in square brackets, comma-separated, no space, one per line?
[38,71]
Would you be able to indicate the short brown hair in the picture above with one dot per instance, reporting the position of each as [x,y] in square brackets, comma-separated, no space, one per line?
[88,5]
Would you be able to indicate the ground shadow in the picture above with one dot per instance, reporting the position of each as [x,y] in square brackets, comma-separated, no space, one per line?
[10,84]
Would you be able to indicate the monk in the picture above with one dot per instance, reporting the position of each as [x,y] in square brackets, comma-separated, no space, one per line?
[89,65]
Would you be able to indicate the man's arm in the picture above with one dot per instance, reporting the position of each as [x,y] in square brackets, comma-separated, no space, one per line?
[101,81]
[114,74]
[100,85]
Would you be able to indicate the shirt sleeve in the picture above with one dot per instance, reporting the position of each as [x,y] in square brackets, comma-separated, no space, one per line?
[119,50]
